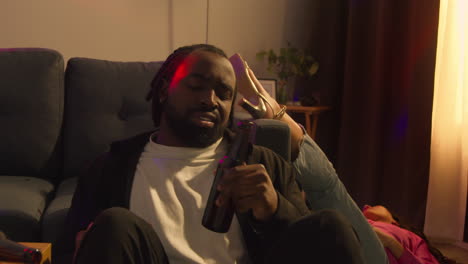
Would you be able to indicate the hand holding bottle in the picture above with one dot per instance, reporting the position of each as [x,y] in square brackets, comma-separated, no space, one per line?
[250,188]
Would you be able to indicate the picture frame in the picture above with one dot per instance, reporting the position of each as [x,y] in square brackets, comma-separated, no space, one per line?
[269,85]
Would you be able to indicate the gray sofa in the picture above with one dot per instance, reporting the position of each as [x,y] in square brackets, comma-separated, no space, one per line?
[55,121]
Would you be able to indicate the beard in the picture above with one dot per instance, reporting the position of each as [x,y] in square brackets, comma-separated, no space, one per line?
[189,133]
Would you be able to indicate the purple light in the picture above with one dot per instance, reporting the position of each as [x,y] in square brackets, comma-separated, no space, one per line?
[401,126]
[222,159]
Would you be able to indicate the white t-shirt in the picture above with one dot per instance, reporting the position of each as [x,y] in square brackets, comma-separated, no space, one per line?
[170,190]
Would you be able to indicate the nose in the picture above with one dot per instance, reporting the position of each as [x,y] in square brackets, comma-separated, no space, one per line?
[208,98]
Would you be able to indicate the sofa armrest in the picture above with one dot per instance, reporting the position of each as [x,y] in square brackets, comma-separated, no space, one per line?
[274,135]
[53,220]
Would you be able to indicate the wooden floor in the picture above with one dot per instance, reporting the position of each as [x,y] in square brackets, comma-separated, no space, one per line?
[458,253]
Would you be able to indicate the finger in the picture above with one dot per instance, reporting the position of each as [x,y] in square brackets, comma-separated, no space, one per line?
[245,175]
[262,207]
[244,169]
[241,191]
[251,177]
[229,175]
[223,201]
[253,203]
[261,191]
[234,189]
[224,195]
[247,167]
[246,203]
[241,180]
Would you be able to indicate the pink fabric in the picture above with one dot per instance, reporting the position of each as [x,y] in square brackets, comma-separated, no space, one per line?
[416,250]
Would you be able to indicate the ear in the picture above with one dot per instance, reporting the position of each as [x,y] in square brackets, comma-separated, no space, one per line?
[163,92]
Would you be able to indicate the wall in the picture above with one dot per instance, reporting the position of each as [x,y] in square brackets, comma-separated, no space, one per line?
[250,26]
[148,30]
[105,29]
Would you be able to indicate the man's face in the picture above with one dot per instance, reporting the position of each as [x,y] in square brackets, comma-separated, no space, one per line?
[199,99]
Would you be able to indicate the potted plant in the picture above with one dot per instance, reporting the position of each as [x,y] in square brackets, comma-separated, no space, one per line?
[290,62]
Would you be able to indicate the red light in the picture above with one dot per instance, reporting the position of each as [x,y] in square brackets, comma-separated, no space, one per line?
[181,72]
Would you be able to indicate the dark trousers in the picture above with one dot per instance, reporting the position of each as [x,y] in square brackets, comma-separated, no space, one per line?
[120,236]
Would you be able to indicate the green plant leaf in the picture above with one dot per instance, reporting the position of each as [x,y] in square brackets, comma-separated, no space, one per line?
[314,68]
[289,62]
[260,55]
[282,52]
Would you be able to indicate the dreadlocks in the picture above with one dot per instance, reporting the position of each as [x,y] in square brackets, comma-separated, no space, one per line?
[166,72]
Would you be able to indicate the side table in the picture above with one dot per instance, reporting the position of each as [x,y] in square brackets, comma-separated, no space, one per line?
[45,249]
[309,111]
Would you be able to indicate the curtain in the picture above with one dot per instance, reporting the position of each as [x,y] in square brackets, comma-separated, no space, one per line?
[447,194]
[384,138]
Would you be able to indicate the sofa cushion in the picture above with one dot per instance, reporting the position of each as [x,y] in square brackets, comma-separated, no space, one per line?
[105,101]
[31,110]
[54,216]
[22,202]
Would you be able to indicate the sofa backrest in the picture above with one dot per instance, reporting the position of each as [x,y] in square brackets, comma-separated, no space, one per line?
[31,111]
[104,102]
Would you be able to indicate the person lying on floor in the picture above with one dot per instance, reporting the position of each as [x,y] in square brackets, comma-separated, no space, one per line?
[402,245]
[322,186]
[143,201]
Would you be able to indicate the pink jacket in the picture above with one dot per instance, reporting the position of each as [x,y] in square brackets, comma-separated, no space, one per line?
[416,250]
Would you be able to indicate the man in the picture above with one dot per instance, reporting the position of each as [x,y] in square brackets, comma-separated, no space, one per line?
[143,202]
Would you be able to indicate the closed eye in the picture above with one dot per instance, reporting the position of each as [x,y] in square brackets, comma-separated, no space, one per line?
[224,92]
[195,87]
